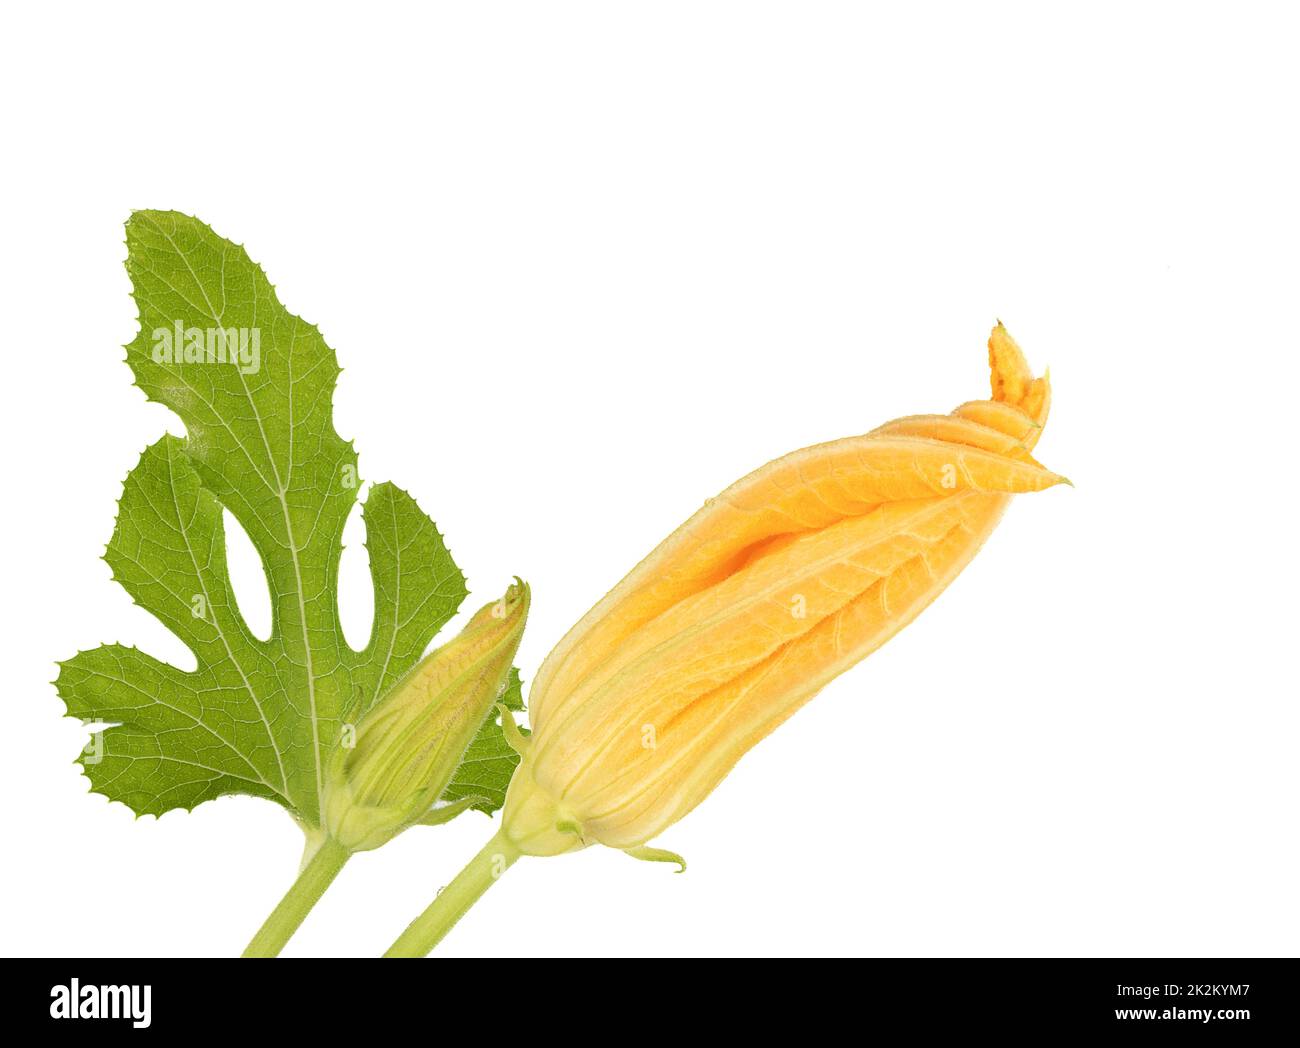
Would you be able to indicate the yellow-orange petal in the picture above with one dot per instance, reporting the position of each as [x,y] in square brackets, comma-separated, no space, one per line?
[957,429]
[799,493]
[697,750]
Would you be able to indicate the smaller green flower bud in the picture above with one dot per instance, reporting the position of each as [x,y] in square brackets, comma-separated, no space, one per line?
[409,744]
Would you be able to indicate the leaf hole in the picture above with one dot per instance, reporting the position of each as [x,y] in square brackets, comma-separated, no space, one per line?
[356,590]
[248,581]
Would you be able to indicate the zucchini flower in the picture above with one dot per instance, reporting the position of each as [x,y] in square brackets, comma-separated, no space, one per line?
[743,614]
[409,745]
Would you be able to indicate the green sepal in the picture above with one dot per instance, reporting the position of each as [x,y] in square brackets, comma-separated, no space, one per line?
[647,854]
[439,816]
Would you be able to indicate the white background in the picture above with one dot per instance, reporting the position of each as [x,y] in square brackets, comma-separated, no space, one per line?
[586,264]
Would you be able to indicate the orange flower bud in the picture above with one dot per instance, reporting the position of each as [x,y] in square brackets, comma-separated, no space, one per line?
[782,582]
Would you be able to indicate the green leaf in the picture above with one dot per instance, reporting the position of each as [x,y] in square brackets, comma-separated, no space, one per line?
[489,762]
[256,717]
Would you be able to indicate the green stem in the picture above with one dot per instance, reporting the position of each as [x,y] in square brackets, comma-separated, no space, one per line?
[452,903]
[315,877]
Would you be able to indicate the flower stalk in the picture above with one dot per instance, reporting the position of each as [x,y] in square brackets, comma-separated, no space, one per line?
[455,900]
[317,875]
